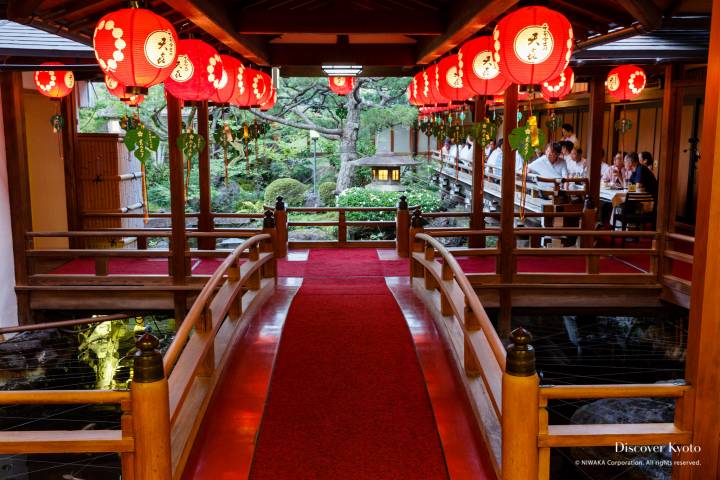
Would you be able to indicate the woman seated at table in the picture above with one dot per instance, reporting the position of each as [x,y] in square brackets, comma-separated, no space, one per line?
[615,176]
[640,175]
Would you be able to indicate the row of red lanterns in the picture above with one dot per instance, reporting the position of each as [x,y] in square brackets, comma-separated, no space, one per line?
[531,46]
[137,49]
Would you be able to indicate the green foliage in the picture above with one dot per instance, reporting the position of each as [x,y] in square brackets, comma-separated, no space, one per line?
[427,200]
[142,142]
[326,190]
[290,189]
[190,143]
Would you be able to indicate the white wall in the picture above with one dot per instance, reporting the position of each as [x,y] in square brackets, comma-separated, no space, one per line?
[8,302]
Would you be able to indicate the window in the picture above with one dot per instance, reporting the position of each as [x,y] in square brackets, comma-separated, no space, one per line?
[382,175]
[396,175]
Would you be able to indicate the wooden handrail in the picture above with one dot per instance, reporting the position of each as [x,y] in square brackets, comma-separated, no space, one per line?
[63,323]
[63,397]
[471,298]
[200,304]
[651,390]
[680,237]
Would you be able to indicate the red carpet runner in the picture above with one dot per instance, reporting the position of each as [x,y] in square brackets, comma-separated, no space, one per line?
[347,398]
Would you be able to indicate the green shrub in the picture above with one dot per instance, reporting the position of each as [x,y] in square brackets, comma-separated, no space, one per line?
[427,200]
[290,189]
[326,190]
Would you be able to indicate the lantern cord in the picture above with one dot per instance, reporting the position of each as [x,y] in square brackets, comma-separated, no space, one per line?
[146,213]
[224,144]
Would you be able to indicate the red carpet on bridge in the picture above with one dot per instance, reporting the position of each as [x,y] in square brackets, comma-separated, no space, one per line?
[347,398]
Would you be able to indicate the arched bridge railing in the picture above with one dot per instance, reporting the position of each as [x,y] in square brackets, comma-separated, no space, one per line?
[165,406]
[510,405]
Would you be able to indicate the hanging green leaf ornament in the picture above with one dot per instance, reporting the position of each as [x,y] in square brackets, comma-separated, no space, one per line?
[57,122]
[526,139]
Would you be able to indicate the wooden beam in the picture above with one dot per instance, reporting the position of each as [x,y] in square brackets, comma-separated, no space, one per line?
[645,11]
[178,240]
[466,17]
[340,21]
[205,220]
[363,54]
[214,18]
[507,216]
[667,161]
[477,217]
[703,349]
[21,9]
[13,113]
[595,138]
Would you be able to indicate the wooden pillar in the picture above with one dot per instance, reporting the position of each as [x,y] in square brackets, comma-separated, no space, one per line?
[68,110]
[595,135]
[13,113]
[178,240]
[667,163]
[520,408]
[150,413]
[402,228]
[703,350]
[507,214]
[477,216]
[205,220]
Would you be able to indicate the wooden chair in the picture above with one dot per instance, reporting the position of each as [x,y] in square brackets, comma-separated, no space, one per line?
[637,212]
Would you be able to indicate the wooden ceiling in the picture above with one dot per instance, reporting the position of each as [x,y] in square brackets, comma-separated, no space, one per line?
[387,37]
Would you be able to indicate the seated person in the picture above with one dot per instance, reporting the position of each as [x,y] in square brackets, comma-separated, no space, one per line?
[577,165]
[646,159]
[494,164]
[549,165]
[565,148]
[641,175]
[489,148]
[615,174]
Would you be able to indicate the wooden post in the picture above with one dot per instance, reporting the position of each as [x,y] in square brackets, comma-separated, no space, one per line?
[13,113]
[402,226]
[595,138]
[270,269]
[281,226]
[178,240]
[72,194]
[667,165]
[589,222]
[150,412]
[507,214]
[703,348]
[205,219]
[520,409]
[416,226]
[477,215]
[342,227]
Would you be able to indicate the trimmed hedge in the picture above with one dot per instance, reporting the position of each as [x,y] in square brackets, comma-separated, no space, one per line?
[326,191]
[427,200]
[290,189]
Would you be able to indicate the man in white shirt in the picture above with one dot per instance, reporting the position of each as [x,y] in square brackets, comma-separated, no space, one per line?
[494,164]
[549,165]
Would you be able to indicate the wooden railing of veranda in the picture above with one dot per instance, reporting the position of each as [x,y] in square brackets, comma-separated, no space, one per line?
[163,409]
[509,404]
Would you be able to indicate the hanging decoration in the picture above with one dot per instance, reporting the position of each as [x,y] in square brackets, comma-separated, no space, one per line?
[57,122]
[228,85]
[54,84]
[451,79]
[626,82]
[198,68]
[557,88]
[533,45]
[223,136]
[480,70]
[135,100]
[341,85]
[553,125]
[142,143]
[525,140]
[190,144]
[136,47]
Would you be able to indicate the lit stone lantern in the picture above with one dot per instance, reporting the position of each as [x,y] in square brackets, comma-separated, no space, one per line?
[386,171]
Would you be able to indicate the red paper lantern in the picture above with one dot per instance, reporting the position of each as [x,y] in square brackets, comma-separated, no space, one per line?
[480,70]
[198,68]
[452,83]
[136,47]
[259,85]
[533,45]
[557,88]
[626,82]
[411,92]
[228,85]
[434,79]
[54,83]
[341,85]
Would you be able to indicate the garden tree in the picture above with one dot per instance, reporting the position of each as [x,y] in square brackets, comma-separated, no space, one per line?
[308,104]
